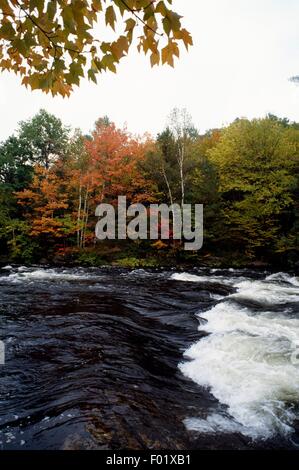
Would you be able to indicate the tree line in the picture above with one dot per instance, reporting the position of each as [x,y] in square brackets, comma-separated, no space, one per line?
[246,174]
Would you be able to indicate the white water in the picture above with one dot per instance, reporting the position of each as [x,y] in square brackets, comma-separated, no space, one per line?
[247,361]
[23,274]
[206,279]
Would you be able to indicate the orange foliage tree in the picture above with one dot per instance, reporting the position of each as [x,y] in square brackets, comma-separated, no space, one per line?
[44,203]
[61,201]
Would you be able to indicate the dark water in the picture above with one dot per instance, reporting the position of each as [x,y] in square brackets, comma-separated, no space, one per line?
[94,360]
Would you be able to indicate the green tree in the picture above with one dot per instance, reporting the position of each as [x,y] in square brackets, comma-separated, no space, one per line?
[15,175]
[203,188]
[184,135]
[15,169]
[171,161]
[256,162]
[39,141]
[43,138]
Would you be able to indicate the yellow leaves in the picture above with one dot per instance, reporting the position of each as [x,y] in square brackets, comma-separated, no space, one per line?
[22,70]
[166,26]
[58,65]
[110,17]
[68,18]
[39,4]
[7,31]
[159,245]
[56,42]
[5,7]
[130,24]
[185,36]
[152,25]
[5,64]
[108,62]
[155,59]
[75,72]
[161,8]
[51,9]
[106,47]
[122,6]
[45,81]
[97,5]
[61,88]
[25,81]
[92,75]
[21,46]
[148,43]
[168,53]
[42,39]
[120,47]
[29,40]
[174,20]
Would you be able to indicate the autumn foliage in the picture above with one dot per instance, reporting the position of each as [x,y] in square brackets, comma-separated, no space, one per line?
[60,200]
[246,175]
[53,44]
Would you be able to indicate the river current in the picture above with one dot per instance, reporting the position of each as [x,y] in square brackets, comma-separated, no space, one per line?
[109,358]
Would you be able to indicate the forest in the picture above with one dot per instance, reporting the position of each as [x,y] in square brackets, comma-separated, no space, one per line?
[245,174]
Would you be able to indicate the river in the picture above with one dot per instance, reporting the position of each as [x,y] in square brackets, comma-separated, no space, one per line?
[110,358]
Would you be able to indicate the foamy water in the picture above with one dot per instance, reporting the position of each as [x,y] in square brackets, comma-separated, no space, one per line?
[247,360]
[29,275]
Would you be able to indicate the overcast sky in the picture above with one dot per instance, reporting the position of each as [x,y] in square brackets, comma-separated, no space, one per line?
[244,52]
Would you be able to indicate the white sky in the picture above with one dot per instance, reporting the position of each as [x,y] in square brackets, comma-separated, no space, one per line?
[244,53]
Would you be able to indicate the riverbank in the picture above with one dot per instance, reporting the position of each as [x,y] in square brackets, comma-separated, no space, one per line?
[113,255]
